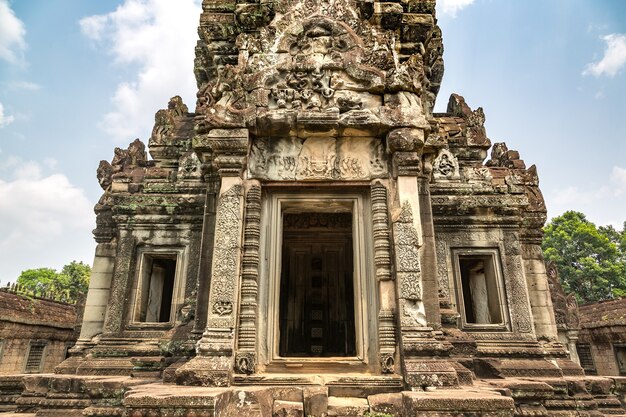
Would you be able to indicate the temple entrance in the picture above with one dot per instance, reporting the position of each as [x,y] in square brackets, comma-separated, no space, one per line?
[317,314]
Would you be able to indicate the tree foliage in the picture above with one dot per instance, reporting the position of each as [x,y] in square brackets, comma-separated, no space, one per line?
[69,284]
[591,260]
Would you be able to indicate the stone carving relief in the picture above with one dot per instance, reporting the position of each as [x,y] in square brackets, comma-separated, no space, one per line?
[223,308]
[225,256]
[565,305]
[316,159]
[190,166]
[515,285]
[443,279]
[387,363]
[317,220]
[380,223]
[474,174]
[446,166]
[245,362]
[408,269]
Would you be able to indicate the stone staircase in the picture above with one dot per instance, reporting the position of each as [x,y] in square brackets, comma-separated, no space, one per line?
[104,396]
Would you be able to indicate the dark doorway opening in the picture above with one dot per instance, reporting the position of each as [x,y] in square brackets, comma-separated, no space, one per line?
[157,289]
[316,286]
[480,290]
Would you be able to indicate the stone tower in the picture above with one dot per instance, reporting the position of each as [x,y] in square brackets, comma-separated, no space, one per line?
[314,223]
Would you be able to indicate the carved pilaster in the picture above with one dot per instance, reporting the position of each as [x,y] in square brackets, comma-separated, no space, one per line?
[245,360]
[119,285]
[216,344]
[387,340]
[417,338]
[406,241]
[386,316]
[380,221]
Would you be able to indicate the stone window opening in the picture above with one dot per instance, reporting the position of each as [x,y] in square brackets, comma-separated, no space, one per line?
[156,288]
[481,301]
[620,357]
[35,357]
[586,358]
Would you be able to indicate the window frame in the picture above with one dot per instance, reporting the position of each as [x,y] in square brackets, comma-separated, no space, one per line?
[620,346]
[38,344]
[496,262]
[150,253]
[589,371]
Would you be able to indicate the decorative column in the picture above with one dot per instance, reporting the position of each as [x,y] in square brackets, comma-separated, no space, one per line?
[245,359]
[382,247]
[214,361]
[417,343]
[119,286]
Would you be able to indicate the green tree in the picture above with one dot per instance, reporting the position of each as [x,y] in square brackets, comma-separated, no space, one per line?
[72,281]
[77,281]
[591,260]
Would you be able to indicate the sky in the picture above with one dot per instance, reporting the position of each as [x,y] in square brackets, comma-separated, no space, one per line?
[80,77]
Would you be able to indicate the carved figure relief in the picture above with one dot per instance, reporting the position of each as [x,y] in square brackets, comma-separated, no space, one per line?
[190,166]
[446,166]
[317,159]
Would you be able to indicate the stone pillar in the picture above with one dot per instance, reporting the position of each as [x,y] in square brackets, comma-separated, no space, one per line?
[539,292]
[572,338]
[386,287]
[206,255]
[119,285]
[99,291]
[428,251]
[214,362]
[417,342]
[245,359]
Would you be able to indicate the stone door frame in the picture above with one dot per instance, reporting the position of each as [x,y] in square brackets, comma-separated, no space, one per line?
[274,202]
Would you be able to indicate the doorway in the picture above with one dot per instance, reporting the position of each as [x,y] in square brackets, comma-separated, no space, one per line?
[317,311]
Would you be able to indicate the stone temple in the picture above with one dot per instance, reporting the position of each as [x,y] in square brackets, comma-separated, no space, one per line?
[313,240]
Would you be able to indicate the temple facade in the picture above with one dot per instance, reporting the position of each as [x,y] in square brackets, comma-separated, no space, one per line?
[313,230]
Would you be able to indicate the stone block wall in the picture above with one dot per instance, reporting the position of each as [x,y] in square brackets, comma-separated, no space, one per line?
[26,320]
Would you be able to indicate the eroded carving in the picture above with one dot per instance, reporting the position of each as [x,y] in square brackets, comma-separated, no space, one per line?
[316,159]
[446,166]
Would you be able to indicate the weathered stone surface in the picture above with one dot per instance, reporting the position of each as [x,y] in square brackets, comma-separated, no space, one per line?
[287,409]
[310,111]
[386,403]
[458,402]
[315,401]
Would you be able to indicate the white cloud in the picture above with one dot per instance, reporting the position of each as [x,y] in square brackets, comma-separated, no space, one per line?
[12,32]
[451,7]
[45,219]
[614,57]
[24,85]
[159,36]
[5,119]
[618,178]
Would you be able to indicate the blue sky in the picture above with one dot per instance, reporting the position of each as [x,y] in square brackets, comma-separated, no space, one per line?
[79,77]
